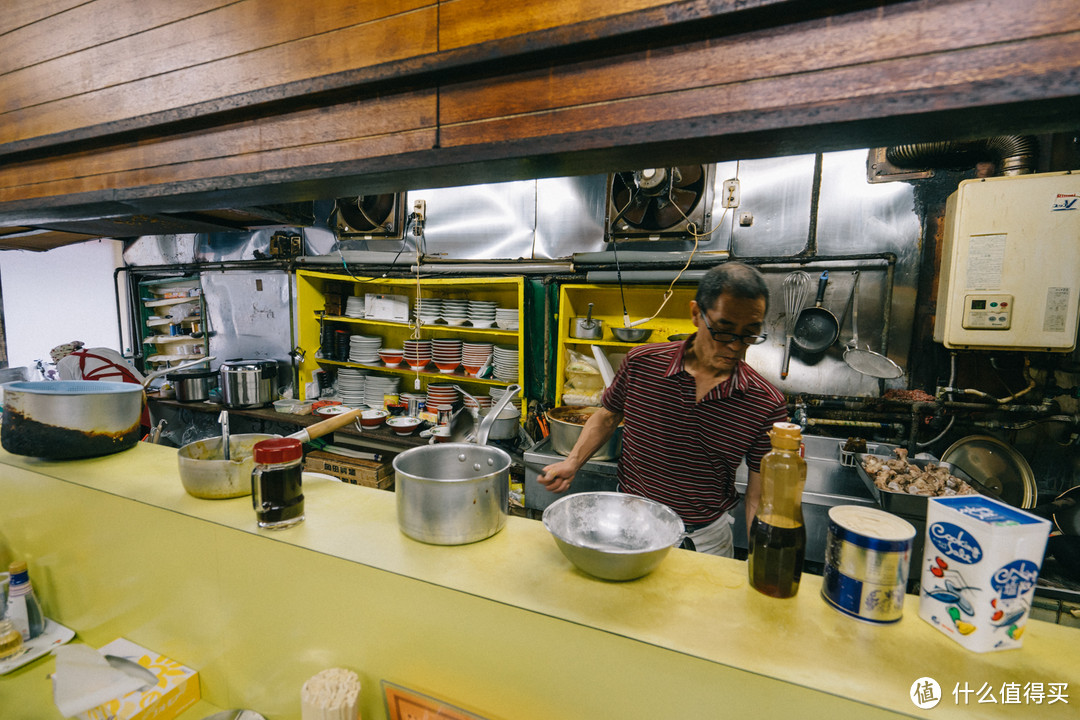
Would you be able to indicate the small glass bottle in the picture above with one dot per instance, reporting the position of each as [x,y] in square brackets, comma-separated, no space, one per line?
[276,492]
[23,608]
[777,534]
[11,640]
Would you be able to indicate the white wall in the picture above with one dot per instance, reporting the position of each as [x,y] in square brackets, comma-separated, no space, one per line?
[60,295]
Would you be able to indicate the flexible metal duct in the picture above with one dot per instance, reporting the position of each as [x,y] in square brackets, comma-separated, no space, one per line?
[1012,154]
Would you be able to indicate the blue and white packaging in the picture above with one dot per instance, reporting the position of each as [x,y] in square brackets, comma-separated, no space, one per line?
[980,564]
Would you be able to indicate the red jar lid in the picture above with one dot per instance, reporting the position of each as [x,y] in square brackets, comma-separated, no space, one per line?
[277,450]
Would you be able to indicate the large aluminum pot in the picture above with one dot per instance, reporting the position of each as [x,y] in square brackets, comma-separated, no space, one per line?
[70,419]
[205,473]
[565,424]
[452,493]
[248,383]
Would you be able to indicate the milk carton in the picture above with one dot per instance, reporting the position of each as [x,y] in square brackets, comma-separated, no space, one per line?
[980,564]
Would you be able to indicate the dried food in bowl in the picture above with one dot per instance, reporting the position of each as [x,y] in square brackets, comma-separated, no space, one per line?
[611,535]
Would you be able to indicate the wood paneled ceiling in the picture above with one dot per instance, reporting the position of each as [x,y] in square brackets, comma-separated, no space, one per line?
[117,108]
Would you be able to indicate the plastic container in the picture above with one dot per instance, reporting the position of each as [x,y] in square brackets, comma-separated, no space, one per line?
[276,491]
[777,533]
[11,640]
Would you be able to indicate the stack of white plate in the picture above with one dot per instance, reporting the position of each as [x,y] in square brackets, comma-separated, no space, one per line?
[496,393]
[474,356]
[417,353]
[455,312]
[428,310]
[377,387]
[354,307]
[364,348]
[506,363]
[506,318]
[441,394]
[352,383]
[446,354]
[482,313]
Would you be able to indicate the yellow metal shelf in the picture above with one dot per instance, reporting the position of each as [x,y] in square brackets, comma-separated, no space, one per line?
[409,372]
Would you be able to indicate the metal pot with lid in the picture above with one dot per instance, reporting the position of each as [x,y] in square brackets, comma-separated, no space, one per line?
[191,385]
[248,383]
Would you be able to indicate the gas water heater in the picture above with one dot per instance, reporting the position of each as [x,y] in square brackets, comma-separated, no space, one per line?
[1010,264]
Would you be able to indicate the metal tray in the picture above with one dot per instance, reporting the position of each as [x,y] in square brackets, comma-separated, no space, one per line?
[912,506]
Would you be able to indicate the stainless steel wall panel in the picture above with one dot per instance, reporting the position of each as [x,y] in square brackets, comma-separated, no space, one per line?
[479,222]
[777,192]
[570,216]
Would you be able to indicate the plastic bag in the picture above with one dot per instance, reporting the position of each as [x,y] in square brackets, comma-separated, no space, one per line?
[583,383]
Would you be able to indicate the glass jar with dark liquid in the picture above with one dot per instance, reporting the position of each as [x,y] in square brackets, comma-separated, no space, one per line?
[276,489]
[777,534]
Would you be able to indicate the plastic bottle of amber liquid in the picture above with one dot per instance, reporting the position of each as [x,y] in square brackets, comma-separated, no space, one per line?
[777,533]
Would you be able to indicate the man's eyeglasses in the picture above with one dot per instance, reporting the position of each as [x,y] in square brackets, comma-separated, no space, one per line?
[725,338]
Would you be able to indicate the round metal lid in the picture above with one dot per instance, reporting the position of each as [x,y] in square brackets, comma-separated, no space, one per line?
[997,466]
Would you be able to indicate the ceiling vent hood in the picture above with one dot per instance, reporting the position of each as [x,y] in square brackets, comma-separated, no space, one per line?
[48,234]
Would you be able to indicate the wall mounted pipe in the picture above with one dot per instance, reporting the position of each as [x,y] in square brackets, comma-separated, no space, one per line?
[520,268]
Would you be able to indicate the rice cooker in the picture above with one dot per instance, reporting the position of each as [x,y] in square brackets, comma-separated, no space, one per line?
[248,383]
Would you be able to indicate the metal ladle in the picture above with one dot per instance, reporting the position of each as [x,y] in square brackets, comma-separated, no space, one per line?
[866,361]
[223,418]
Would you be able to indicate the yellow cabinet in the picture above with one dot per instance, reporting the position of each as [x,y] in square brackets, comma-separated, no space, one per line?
[323,298]
[641,301]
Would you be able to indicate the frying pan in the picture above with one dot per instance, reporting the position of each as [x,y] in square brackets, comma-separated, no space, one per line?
[817,328]
[1065,510]
[865,360]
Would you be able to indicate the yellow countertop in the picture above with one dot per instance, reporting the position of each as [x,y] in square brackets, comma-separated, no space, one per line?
[694,607]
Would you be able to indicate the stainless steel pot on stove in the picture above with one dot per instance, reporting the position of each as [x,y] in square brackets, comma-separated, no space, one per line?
[248,383]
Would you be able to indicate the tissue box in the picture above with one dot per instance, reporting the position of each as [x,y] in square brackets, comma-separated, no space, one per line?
[980,564]
[176,691]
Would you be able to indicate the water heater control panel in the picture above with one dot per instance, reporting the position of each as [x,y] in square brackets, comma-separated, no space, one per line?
[988,312]
[1010,264]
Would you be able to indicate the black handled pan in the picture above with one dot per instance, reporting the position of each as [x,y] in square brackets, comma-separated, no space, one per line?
[817,328]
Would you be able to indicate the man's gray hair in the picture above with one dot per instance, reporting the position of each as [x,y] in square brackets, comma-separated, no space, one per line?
[735,278]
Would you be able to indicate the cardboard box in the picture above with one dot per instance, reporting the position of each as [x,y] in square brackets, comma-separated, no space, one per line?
[177,688]
[980,564]
[369,473]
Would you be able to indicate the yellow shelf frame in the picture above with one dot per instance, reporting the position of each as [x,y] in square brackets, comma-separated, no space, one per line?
[508,291]
[642,301]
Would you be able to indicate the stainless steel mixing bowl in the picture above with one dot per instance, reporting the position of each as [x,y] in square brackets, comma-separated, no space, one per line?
[611,535]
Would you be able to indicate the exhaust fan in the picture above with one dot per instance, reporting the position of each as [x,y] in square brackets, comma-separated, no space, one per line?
[659,202]
[370,216]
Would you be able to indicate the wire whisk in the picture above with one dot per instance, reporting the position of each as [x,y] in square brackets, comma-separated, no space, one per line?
[796,290]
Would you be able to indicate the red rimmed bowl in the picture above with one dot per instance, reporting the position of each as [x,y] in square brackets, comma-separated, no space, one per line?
[373,418]
[392,358]
[446,367]
[404,424]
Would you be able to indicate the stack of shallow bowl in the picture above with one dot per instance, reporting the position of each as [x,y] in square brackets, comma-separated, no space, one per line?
[417,353]
[481,313]
[455,312]
[354,307]
[482,403]
[506,318]
[364,348]
[506,363]
[428,310]
[495,393]
[441,395]
[377,388]
[391,357]
[474,356]
[352,384]
[446,354]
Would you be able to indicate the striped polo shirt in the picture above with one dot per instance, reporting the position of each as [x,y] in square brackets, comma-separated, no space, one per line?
[681,452]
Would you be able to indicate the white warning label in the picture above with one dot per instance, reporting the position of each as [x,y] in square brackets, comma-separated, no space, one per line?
[985,261]
[1057,309]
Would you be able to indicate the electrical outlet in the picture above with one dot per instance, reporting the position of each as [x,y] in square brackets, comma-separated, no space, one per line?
[731,197]
[420,210]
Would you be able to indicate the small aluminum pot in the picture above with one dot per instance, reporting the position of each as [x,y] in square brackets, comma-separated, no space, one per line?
[452,493]
[505,426]
[192,385]
[248,383]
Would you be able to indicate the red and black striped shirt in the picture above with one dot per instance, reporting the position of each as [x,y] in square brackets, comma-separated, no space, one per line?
[681,452]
